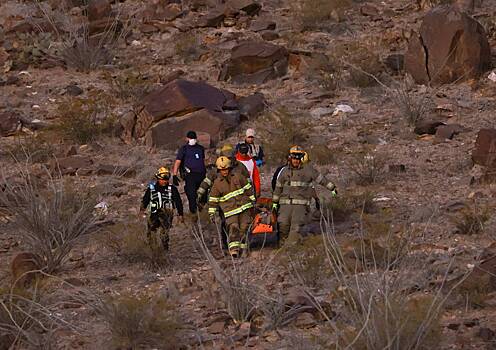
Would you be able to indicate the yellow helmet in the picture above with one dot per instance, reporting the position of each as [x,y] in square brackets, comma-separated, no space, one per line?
[223,163]
[306,158]
[297,152]
[226,150]
[163,173]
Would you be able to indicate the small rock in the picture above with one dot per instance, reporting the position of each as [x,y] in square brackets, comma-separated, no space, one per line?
[369,10]
[217,327]
[261,24]
[471,323]
[427,126]
[98,9]
[487,334]
[342,109]
[484,152]
[305,320]
[269,35]
[73,90]
[453,326]
[321,111]
[243,332]
[492,77]
[446,132]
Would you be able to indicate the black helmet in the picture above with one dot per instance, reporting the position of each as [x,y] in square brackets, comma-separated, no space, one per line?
[243,148]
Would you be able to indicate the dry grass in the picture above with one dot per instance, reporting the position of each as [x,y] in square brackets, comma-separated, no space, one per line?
[413,105]
[28,320]
[129,241]
[285,131]
[380,307]
[31,148]
[86,119]
[77,46]
[367,166]
[140,321]
[316,14]
[129,86]
[472,219]
[51,217]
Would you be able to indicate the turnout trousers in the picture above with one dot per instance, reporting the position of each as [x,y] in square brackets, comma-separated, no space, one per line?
[237,226]
[291,218]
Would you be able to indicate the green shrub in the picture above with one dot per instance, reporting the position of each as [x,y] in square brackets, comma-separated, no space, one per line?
[367,166]
[33,148]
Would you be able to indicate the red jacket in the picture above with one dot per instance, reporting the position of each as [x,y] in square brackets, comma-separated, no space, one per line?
[252,168]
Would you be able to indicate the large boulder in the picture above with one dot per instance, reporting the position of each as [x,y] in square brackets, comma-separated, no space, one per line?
[451,46]
[169,112]
[484,152]
[255,63]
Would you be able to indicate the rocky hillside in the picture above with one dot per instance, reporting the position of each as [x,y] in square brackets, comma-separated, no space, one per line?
[393,100]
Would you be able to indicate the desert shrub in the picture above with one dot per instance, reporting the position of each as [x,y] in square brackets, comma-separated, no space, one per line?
[315,14]
[284,132]
[306,262]
[86,119]
[33,148]
[472,219]
[129,241]
[367,166]
[347,204]
[129,86]
[412,105]
[51,217]
[77,45]
[362,61]
[137,321]
[325,72]
[34,49]
[321,154]
[27,320]
[379,307]
[188,46]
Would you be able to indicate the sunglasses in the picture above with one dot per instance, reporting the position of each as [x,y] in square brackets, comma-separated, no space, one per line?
[297,156]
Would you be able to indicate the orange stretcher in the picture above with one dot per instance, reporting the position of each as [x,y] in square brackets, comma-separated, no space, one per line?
[263,230]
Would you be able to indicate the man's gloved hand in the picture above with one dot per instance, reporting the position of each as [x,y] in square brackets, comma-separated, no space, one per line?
[334,192]
[175,180]
[259,162]
[275,207]
[212,218]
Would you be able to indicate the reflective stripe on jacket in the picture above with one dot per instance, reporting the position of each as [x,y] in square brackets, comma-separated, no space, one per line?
[296,185]
[212,174]
[233,194]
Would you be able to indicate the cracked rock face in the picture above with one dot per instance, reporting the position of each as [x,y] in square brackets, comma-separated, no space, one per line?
[451,46]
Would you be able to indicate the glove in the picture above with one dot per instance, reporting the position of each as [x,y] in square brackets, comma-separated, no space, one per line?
[275,206]
[334,193]
[212,218]
[175,180]
[259,162]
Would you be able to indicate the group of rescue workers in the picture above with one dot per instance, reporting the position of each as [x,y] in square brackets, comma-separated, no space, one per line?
[231,189]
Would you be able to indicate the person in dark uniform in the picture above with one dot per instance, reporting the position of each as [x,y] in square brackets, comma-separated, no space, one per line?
[191,159]
[160,199]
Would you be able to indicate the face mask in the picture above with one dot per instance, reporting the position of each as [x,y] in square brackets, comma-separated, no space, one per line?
[192,142]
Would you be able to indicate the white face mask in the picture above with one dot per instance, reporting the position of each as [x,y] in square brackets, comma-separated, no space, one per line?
[192,142]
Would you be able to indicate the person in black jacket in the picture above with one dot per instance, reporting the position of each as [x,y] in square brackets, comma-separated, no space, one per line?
[160,199]
[191,158]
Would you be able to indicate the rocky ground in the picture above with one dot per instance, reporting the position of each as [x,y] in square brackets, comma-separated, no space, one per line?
[285,69]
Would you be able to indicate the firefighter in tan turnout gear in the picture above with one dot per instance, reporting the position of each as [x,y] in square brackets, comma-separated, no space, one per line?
[232,193]
[293,192]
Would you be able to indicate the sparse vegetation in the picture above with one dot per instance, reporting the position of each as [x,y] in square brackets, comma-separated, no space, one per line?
[367,166]
[81,45]
[86,119]
[130,85]
[51,217]
[413,105]
[286,131]
[314,14]
[188,46]
[129,241]
[472,219]
[135,321]
[32,148]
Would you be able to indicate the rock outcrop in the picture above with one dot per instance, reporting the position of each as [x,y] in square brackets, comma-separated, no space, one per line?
[451,46]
